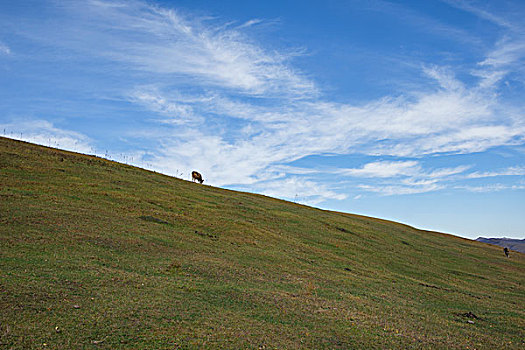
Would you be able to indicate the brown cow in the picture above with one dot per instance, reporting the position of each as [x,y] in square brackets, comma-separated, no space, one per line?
[196,176]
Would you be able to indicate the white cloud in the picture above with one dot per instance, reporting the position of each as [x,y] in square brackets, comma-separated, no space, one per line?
[300,190]
[162,41]
[4,49]
[384,169]
[403,177]
[175,112]
[446,172]
[505,58]
[440,121]
[45,133]
[445,77]
[506,52]
[511,171]
[491,188]
[286,169]
[391,190]
[390,169]
[509,51]
[249,23]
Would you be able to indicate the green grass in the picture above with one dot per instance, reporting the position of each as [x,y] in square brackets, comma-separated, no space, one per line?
[122,258]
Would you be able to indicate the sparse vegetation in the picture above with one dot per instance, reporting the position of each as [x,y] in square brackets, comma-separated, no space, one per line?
[96,254]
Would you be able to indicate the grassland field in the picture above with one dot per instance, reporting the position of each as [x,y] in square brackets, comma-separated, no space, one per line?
[101,255]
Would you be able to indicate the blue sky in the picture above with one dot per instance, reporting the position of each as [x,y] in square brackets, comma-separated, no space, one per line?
[405,110]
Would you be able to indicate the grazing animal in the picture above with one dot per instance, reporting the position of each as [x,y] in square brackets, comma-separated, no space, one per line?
[196,176]
[506,250]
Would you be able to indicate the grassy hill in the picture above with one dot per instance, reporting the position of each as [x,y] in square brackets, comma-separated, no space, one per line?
[96,254]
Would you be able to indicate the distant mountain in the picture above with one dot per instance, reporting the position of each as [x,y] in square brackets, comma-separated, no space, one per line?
[513,244]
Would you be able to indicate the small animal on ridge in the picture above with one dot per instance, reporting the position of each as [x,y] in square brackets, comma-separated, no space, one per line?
[196,176]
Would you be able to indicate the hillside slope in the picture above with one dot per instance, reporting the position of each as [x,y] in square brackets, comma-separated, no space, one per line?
[96,254]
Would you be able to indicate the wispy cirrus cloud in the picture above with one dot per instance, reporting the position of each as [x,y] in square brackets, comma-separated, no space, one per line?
[392,190]
[445,120]
[384,169]
[162,41]
[510,171]
[403,177]
[250,23]
[508,53]
[391,169]
[174,111]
